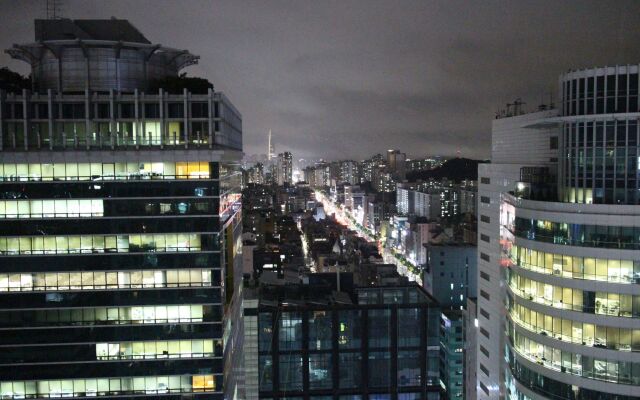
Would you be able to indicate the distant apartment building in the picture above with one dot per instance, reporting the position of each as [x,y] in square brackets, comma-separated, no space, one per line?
[452,356]
[413,202]
[284,169]
[396,162]
[450,277]
[369,166]
[349,172]
[468,198]
[450,274]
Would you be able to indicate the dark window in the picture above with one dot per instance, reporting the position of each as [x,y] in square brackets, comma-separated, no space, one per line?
[17,111]
[152,110]
[485,314]
[485,295]
[484,388]
[485,276]
[176,110]
[200,110]
[485,180]
[485,199]
[485,238]
[486,219]
[485,257]
[485,333]
[43,110]
[486,371]
[127,110]
[553,142]
[32,110]
[72,111]
[103,111]
[485,351]
[611,86]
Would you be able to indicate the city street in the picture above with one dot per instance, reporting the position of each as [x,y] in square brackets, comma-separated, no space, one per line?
[388,254]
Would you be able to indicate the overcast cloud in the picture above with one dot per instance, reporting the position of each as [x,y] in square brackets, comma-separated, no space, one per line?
[346,79]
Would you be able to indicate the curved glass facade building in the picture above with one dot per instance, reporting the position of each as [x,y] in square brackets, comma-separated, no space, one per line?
[119,222]
[600,136]
[559,247]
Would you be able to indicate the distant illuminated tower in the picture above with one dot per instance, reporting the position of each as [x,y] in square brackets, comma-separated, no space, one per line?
[271,148]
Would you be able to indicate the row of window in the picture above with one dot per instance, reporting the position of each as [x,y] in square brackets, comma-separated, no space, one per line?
[599,269]
[601,162]
[617,237]
[108,386]
[109,189]
[156,349]
[551,388]
[350,374]
[104,171]
[576,364]
[65,208]
[115,315]
[99,280]
[101,135]
[431,395]
[614,93]
[102,110]
[619,305]
[351,330]
[575,331]
[68,208]
[100,244]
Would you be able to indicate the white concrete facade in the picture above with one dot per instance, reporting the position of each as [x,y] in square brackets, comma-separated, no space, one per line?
[513,147]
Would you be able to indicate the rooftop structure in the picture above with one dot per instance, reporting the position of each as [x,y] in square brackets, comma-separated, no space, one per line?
[96,55]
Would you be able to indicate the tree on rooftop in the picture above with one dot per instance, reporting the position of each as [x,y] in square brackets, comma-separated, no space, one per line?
[176,85]
[11,81]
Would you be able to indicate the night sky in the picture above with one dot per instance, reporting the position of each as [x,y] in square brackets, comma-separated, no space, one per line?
[346,79]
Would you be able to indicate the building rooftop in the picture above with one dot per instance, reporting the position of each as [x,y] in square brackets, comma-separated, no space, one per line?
[321,289]
[88,29]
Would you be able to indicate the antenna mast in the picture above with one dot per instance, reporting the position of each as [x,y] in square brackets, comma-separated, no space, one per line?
[54,9]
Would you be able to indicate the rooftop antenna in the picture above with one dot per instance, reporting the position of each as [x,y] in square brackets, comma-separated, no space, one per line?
[517,106]
[54,9]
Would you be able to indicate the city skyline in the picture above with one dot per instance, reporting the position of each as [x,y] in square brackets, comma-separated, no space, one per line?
[350,80]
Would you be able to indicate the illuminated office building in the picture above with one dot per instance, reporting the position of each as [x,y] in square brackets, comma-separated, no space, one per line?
[119,222]
[559,247]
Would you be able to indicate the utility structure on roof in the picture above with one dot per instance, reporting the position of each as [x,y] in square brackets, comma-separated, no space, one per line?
[96,55]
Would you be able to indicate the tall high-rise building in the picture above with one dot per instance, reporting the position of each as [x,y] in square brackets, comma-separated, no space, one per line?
[120,223]
[559,301]
[370,166]
[396,162]
[285,168]
[349,172]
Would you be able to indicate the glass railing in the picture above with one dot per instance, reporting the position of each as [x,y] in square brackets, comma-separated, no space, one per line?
[574,364]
